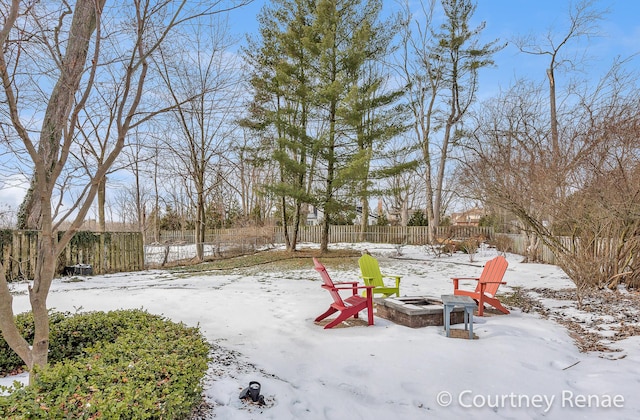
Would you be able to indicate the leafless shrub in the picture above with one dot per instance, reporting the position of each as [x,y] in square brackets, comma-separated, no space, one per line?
[470,247]
[502,243]
[578,197]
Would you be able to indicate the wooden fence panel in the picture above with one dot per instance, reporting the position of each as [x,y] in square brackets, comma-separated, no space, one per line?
[106,253]
[409,235]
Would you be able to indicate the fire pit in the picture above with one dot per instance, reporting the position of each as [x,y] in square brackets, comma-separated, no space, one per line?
[415,311]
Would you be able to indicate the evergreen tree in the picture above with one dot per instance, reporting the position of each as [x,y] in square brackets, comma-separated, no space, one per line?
[349,39]
[282,82]
[319,97]
[418,219]
[372,117]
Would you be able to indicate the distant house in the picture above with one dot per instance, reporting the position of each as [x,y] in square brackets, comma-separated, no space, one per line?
[372,219]
[314,215]
[468,218]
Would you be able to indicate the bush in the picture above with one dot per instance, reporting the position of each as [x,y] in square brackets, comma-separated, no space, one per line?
[130,364]
[469,246]
[418,219]
[503,243]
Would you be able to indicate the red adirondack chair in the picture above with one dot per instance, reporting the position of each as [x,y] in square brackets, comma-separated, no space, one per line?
[488,283]
[348,307]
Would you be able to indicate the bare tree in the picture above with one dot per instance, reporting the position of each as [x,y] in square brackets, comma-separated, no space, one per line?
[6,216]
[508,157]
[553,144]
[252,170]
[440,70]
[138,157]
[204,90]
[582,24]
[404,188]
[66,44]
[593,228]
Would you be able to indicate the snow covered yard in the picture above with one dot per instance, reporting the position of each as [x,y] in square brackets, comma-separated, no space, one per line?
[527,364]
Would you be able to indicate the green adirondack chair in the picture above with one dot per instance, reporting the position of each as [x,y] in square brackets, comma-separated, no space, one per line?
[372,276]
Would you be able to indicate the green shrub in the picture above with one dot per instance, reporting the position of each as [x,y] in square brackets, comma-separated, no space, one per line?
[9,360]
[70,334]
[142,366]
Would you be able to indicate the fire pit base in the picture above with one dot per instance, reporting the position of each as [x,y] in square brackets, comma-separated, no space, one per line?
[415,311]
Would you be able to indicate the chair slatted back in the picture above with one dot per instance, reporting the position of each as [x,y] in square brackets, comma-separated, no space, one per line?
[328,283]
[369,267]
[493,272]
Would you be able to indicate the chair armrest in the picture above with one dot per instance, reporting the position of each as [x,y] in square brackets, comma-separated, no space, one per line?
[353,283]
[354,288]
[367,280]
[395,277]
[483,286]
[456,279]
[351,287]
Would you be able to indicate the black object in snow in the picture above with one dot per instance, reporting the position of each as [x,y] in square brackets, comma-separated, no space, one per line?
[253,392]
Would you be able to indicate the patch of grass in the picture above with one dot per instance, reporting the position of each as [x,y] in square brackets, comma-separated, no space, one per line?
[278,260]
[519,298]
[73,280]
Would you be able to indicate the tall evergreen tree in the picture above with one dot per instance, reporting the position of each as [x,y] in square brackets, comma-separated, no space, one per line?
[320,96]
[374,120]
[282,83]
[350,94]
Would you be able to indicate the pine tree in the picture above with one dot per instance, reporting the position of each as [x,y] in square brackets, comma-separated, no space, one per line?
[281,78]
[319,97]
[351,99]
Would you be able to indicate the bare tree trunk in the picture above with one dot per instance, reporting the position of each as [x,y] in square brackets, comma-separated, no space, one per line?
[200,225]
[364,220]
[324,239]
[61,100]
[285,227]
[140,209]
[156,213]
[555,143]
[102,195]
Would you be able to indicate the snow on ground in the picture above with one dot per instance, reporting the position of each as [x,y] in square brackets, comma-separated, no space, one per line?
[522,366]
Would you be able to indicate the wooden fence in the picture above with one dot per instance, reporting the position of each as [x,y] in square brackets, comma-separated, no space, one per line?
[520,243]
[125,251]
[251,235]
[604,248]
[408,235]
[109,252]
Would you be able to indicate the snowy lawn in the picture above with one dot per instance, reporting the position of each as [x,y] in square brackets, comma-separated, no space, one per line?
[524,365]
